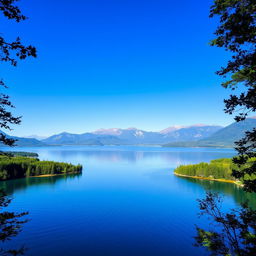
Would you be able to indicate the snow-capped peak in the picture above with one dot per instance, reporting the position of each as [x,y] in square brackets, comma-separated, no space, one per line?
[172,128]
[110,131]
[138,133]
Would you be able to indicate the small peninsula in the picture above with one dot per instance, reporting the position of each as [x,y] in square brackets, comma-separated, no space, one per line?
[217,170]
[19,166]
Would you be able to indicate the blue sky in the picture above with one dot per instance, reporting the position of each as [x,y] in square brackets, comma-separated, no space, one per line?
[101,64]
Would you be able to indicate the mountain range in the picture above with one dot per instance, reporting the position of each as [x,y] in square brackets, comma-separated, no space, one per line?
[132,136]
[198,135]
[24,142]
[224,137]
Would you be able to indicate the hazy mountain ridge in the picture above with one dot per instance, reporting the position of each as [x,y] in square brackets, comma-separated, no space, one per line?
[24,142]
[81,139]
[192,133]
[222,138]
[132,136]
[35,137]
[176,136]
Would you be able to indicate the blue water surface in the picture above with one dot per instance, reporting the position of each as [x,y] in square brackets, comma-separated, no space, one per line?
[126,202]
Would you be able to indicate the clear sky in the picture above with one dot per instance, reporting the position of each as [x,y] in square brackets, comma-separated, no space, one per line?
[115,63]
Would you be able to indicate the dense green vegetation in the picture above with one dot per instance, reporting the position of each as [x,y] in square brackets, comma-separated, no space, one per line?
[18,153]
[216,169]
[20,167]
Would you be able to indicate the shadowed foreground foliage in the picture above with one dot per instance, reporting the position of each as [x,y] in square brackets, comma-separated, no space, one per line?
[10,225]
[236,33]
[234,233]
[11,52]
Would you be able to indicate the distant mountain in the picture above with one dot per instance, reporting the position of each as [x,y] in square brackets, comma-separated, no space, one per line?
[133,136]
[222,138]
[198,135]
[192,133]
[172,129]
[230,134]
[24,142]
[111,131]
[35,137]
[81,139]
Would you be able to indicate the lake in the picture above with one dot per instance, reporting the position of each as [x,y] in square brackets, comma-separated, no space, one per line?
[126,202]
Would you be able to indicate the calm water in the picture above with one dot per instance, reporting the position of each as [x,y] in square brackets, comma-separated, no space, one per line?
[126,202]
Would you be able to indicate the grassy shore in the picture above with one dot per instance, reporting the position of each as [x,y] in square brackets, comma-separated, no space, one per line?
[52,175]
[209,178]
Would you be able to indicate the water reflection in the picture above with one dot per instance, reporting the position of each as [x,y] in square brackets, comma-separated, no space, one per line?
[164,160]
[127,200]
[133,155]
[12,186]
[228,189]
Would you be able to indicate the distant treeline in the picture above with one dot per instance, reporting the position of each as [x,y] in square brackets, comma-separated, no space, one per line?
[216,169]
[18,153]
[21,167]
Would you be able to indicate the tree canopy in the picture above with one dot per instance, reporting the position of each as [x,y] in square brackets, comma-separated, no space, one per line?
[236,33]
[234,233]
[11,53]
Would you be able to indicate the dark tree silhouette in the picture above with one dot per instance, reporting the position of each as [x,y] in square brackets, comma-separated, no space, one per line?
[237,34]
[11,52]
[10,225]
[234,233]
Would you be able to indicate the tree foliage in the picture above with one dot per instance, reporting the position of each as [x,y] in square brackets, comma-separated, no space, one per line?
[234,233]
[220,169]
[11,52]
[10,225]
[236,33]
[236,230]
[21,167]
[216,169]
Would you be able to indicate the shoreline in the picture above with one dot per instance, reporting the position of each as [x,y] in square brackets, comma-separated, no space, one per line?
[211,179]
[52,175]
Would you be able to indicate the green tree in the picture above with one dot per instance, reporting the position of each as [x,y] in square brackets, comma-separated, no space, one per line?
[237,34]
[235,233]
[11,52]
[232,233]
